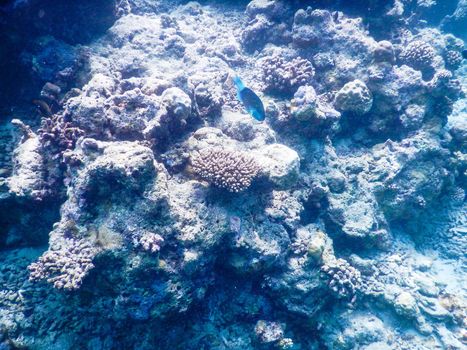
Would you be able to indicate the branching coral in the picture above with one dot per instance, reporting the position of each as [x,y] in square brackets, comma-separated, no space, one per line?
[343,279]
[150,242]
[281,76]
[418,54]
[65,268]
[453,59]
[232,170]
[58,134]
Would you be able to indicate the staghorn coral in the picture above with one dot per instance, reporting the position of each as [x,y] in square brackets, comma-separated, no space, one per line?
[65,267]
[228,169]
[281,76]
[354,97]
[343,279]
[418,54]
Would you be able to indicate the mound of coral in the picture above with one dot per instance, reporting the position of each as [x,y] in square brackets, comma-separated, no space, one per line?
[143,208]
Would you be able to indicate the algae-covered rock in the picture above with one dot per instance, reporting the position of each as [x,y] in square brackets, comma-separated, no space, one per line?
[27,179]
[280,164]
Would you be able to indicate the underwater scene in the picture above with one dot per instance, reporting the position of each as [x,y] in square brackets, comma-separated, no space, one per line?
[233,175]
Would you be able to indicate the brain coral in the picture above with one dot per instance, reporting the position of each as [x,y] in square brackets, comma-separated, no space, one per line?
[354,97]
[418,54]
[232,170]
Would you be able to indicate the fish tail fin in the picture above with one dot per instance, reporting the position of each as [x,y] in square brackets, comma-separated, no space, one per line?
[257,115]
[238,82]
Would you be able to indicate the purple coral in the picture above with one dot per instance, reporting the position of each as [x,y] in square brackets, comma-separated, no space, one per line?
[66,267]
[232,170]
[281,76]
[58,134]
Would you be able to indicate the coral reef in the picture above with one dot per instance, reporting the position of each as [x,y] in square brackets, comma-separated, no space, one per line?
[343,279]
[265,24]
[231,170]
[453,59]
[137,194]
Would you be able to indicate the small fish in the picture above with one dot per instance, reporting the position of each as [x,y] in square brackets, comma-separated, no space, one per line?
[42,107]
[250,100]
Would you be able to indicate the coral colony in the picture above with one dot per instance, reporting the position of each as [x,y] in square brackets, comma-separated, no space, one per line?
[150,200]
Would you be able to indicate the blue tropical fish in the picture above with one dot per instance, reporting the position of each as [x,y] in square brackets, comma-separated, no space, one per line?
[250,100]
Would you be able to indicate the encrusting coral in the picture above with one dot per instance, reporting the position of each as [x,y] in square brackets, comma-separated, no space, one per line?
[224,168]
